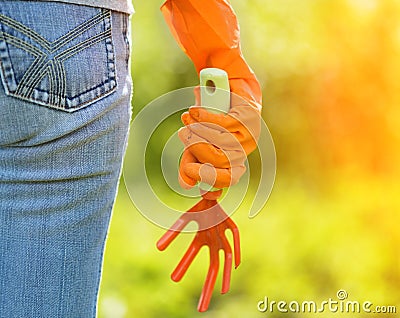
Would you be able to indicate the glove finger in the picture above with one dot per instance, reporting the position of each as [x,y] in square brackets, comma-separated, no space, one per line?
[218,135]
[243,122]
[221,139]
[219,178]
[188,120]
[184,180]
[200,114]
[239,115]
[205,152]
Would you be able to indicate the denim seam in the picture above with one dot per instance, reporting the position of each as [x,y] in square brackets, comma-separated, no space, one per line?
[54,68]
[125,25]
[61,41]
[107,23]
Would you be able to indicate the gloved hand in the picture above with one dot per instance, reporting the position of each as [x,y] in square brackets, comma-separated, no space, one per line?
[208,32]
[217,145]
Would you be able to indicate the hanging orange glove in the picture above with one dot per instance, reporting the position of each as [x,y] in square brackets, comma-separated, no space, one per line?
[216,144]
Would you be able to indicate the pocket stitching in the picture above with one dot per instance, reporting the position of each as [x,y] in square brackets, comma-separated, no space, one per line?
[54,68]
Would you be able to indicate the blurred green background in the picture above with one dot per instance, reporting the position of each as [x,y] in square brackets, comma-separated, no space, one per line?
[330,72]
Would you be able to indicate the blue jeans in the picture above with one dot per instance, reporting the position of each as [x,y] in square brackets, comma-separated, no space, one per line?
[64,119]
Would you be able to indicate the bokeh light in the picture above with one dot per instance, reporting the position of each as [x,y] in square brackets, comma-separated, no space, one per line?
[331,87]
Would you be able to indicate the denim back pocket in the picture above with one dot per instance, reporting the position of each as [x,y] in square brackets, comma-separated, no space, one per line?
[56,55]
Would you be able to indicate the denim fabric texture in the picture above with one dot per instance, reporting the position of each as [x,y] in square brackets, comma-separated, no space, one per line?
[34,68]
[64,120]
[125,6]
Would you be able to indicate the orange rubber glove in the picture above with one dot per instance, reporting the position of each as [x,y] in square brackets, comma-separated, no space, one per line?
[216,144]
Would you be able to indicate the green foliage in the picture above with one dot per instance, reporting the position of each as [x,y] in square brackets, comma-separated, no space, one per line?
[332,220]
